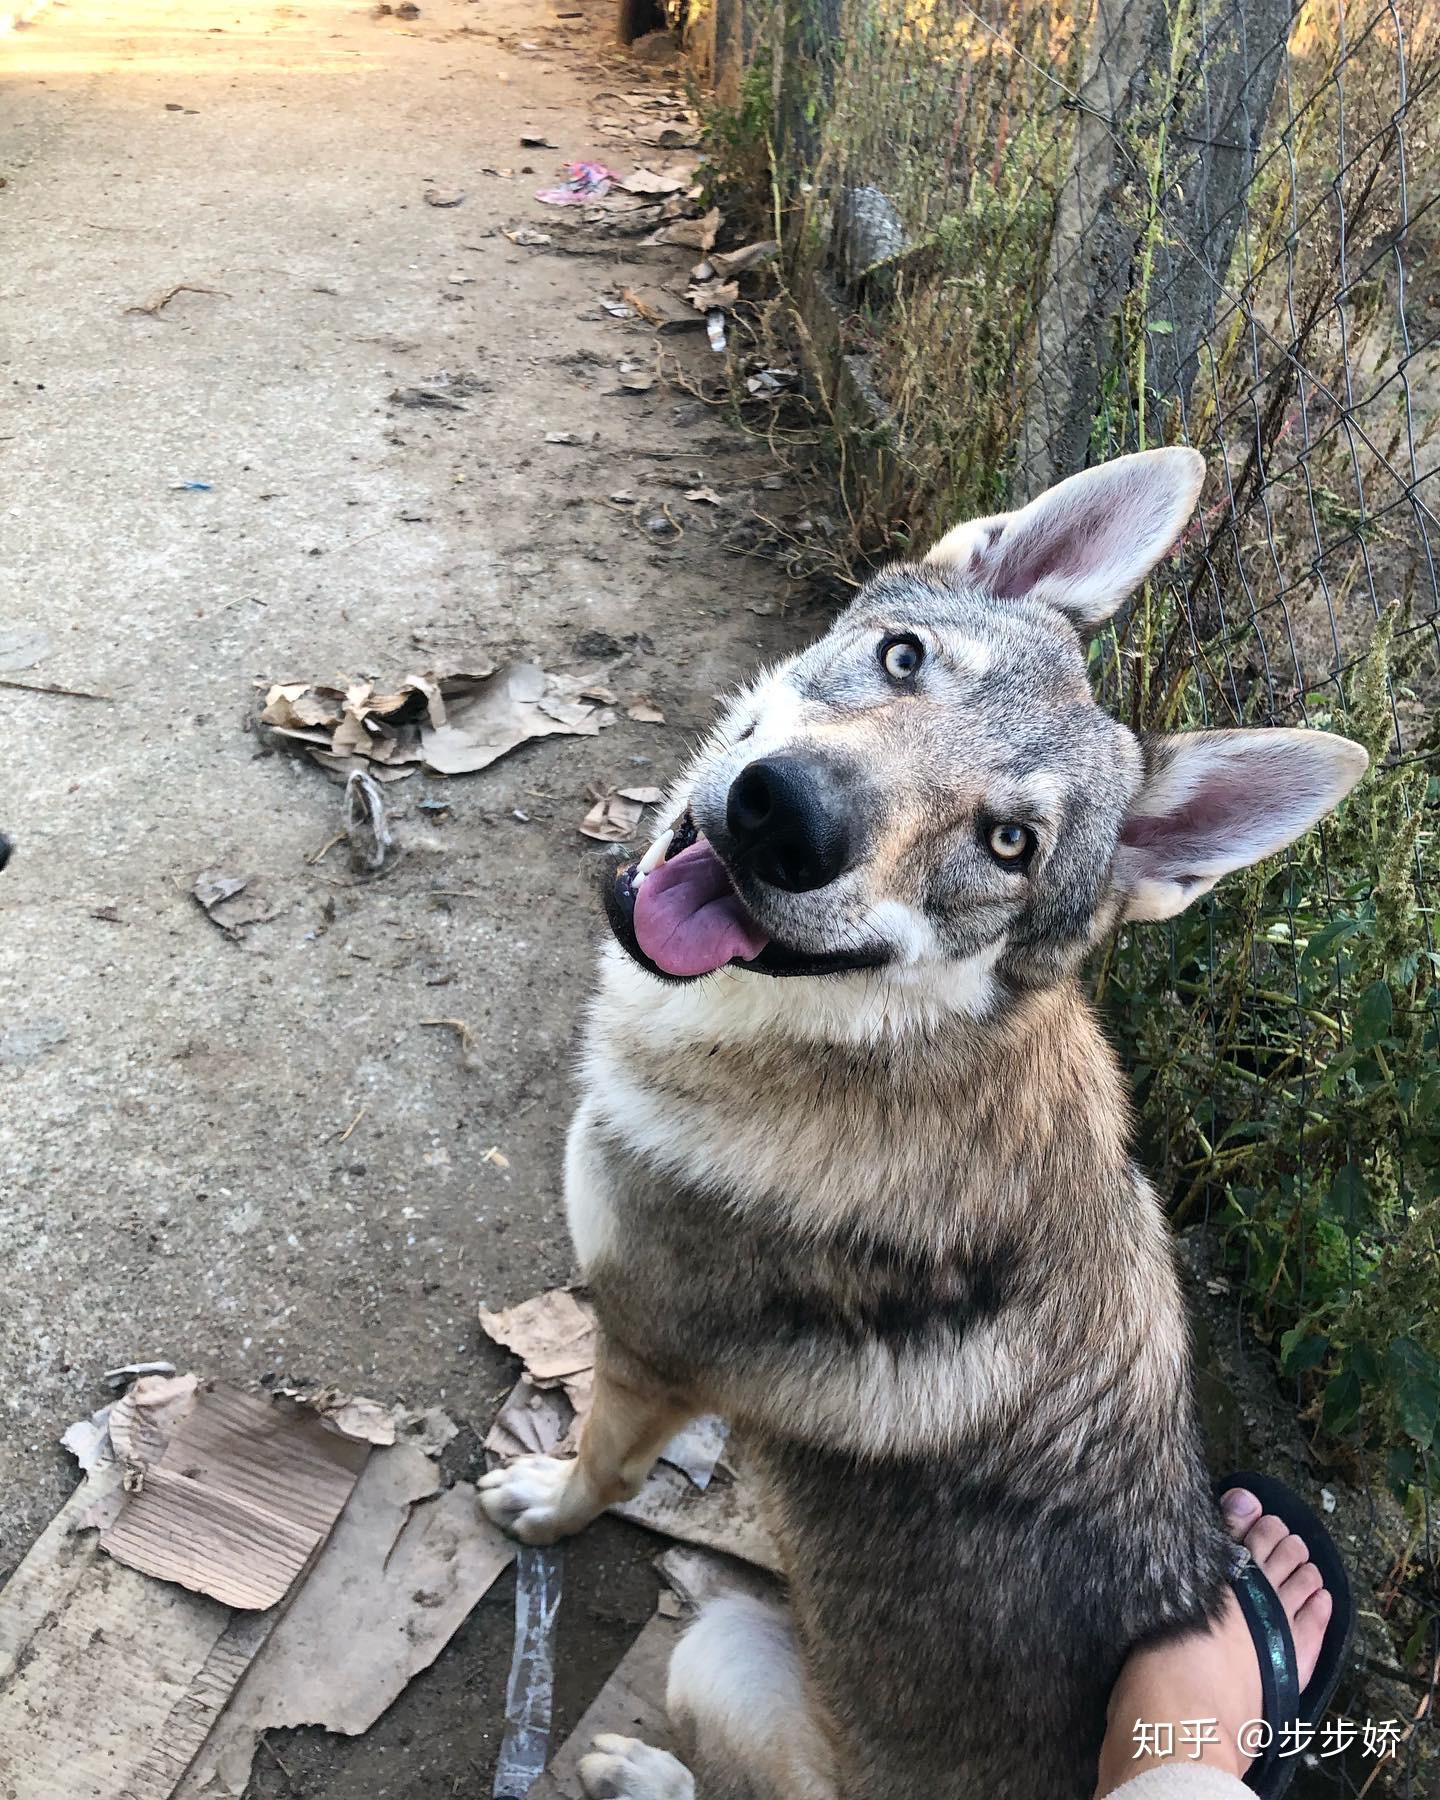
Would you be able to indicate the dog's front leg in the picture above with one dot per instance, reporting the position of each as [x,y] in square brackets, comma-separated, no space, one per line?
[542,1498]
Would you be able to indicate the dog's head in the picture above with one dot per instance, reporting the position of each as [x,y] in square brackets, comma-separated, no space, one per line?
[4,850]
[933,783]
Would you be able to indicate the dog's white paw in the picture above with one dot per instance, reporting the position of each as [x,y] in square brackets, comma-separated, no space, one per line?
[526,1498]
[622,1768]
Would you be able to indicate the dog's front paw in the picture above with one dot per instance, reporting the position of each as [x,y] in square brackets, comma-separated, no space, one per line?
[622,1768]
[527,1498]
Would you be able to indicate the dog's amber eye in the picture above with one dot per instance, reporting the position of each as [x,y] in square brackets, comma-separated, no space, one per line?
[1009,842]
[901,656]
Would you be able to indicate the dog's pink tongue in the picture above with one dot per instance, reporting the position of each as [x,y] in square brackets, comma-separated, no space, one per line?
[688,919]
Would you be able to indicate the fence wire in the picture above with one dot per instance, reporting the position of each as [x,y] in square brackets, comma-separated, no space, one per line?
[1048,233]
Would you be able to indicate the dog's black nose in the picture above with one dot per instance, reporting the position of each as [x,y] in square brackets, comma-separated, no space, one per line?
[788,817]
[4,849]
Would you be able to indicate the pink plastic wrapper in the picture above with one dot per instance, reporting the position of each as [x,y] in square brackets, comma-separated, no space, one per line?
[588,181]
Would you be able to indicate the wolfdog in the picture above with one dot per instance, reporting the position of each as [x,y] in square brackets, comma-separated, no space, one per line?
[851,1167]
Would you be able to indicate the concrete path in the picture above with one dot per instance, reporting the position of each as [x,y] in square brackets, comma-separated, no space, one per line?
[254,1156]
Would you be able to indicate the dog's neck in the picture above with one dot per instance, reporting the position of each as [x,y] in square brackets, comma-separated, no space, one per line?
[857,1105]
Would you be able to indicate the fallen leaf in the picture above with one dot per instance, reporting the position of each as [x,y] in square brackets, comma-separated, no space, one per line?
[562,437]
[705,494]
[553,1334]
[651,181]
[450,723]
[426,398]
[232,901]
[668,136]
[691,234]
[737,262]
[624,204]
[658,307]
[530,141]
[647,796]
[709,296]
[211,886]
[636,381]
[444,196]
[645,712]
[527,237]
[613,818]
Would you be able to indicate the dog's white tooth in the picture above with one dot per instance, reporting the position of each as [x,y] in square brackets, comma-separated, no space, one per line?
[655,855]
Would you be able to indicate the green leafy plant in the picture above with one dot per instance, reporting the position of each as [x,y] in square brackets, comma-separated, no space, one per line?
[1287,1056]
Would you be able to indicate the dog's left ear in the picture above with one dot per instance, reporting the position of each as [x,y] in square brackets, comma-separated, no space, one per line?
[1086,543]
[1214,801]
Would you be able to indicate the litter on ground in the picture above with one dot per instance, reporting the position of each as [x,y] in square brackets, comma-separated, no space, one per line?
[235,1563]
[450,724]
[587,181]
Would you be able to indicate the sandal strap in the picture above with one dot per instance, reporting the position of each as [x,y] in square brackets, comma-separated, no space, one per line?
[1275,1650]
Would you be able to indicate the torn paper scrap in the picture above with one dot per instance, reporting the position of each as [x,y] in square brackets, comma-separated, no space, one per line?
[407,1563]
[353,1414]
[450,723]
[225,1493]
[533,1422]
[725,1517]
[555,1336]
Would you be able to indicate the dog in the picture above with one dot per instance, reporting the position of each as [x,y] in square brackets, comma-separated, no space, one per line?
[851,1166]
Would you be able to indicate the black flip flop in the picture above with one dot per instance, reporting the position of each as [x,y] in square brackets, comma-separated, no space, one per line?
[1283,1703]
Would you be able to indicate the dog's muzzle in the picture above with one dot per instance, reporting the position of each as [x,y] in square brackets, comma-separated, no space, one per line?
[731,928]
[788,818]
[4,850]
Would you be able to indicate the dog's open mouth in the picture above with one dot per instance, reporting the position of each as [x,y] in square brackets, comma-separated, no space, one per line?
[677,913]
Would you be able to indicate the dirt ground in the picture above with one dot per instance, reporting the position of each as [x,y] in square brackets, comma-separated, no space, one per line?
[254,1155]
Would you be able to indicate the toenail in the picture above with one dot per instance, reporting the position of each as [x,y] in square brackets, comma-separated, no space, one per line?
[1240,1506]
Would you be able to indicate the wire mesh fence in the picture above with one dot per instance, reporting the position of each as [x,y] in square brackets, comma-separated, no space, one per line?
[1042,234]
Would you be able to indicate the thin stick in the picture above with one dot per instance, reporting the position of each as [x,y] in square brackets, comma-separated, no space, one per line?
[288,1773]
[326,848]
[46,687]
[457,1025]
[153,308]
[344,1135]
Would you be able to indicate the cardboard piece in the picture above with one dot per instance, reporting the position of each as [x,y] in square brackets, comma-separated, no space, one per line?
[227,1494]
[115,1685]
[109,1681]
[690,1495]
[407,1563]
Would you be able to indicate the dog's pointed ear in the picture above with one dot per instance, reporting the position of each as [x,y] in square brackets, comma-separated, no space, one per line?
[1214,801]
[1086,543]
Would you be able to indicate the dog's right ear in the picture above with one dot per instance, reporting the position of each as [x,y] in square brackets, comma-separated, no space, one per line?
[1085,544]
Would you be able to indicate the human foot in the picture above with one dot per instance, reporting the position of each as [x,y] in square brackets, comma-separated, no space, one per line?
[1209,1681]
